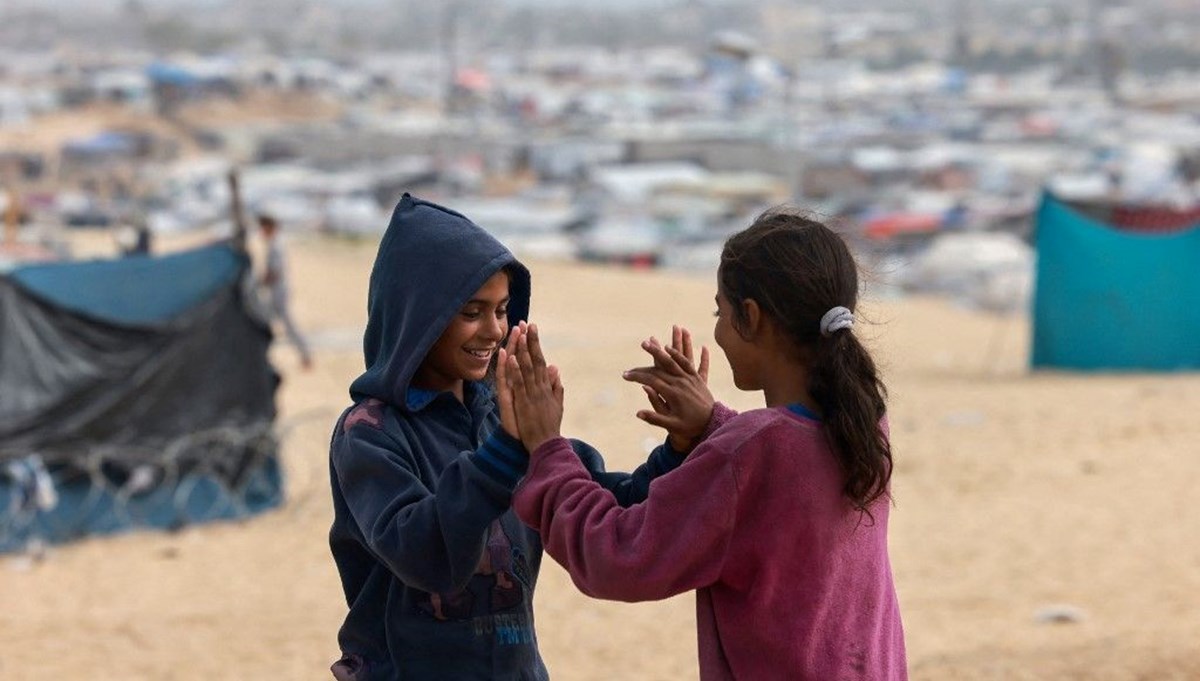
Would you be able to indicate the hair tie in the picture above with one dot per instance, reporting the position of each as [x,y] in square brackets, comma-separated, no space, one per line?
[836,319]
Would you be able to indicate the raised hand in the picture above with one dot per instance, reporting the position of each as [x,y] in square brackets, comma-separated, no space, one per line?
[678,391]
[537,391]
[504,401]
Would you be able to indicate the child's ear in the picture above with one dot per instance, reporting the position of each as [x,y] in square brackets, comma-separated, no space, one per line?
[754,319]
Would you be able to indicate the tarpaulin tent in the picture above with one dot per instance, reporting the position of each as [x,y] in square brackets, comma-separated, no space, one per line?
[1107,298]
[133,392]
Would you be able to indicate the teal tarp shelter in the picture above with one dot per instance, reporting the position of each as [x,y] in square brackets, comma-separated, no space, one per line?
[1112,299]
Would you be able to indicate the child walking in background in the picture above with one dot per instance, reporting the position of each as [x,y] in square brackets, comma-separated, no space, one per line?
[275,281]
[778,516]
[437,571]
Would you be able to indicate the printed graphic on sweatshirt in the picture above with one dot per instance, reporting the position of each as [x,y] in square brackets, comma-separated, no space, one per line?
[369,412]
[350,668]
[507,571]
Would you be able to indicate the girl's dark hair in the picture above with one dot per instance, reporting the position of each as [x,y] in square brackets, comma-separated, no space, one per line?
[796,269]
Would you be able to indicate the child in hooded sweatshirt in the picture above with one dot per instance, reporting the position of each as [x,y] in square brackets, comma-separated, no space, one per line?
[778,516]
[437,571]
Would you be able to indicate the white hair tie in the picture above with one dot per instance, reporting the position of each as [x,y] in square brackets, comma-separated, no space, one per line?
[836,319]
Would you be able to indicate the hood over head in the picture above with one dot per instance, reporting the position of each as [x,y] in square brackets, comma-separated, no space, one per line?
[431,261]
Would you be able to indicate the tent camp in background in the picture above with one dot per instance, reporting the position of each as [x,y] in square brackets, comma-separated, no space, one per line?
[1108,297]
[137,393]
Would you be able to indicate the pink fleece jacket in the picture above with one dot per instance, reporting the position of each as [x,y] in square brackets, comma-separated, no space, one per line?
[791,582]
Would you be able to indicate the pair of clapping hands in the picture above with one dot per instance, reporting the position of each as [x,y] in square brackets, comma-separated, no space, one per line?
[530,391]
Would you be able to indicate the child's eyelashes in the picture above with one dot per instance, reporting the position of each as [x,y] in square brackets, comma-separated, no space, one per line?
[473,315]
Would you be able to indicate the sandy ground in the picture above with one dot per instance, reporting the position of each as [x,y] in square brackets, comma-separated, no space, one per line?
[1014,493]
[46,134]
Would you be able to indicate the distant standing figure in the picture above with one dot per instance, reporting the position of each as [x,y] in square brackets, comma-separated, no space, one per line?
[274,280]
[135,240]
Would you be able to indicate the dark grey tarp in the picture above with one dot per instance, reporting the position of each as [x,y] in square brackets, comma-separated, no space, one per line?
[155,365]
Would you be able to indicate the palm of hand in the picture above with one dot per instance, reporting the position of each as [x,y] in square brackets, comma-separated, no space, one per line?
[530,391]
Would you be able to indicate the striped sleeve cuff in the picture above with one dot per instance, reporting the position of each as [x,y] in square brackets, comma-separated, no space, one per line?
[503,457]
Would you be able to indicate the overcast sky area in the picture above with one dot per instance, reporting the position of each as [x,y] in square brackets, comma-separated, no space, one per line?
[112,5]
[1156,34]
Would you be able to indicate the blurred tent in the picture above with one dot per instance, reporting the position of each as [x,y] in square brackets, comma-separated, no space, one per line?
[172,74]
[108,144]
[137,393]
[1155,218]
[1110,298]
[986,270]
[1159,219]
[901,224]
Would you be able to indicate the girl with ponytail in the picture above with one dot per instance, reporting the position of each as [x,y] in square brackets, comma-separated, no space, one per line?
[793,278]
[765,516]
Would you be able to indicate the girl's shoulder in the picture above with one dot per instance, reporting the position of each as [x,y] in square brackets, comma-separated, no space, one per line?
[747,427]
[753,439]
[761,417]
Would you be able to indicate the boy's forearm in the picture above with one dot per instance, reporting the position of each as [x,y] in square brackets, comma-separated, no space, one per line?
[634,487]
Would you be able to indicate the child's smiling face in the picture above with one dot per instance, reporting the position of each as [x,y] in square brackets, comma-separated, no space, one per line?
[466,347]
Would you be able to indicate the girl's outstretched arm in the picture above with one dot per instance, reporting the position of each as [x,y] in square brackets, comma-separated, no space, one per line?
[632,487]
[628,488]
[673,542]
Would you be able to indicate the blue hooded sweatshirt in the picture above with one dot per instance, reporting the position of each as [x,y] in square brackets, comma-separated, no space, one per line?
[437,570]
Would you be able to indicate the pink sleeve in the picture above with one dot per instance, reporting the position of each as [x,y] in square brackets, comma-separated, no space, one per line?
[673,542]
[720,415]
